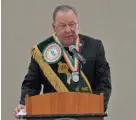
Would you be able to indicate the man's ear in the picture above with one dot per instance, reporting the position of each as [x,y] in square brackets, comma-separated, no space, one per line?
[53,27]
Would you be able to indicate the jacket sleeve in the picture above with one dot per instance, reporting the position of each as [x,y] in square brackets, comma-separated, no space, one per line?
[32,81]
[102,76]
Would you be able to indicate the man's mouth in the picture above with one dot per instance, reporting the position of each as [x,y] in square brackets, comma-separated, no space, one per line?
[69,36]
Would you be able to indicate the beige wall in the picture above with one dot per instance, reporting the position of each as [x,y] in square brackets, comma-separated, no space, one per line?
[26,22]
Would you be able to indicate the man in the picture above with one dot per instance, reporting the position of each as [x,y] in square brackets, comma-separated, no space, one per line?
[54,66]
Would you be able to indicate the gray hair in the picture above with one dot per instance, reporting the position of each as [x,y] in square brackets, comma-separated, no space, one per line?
[63,8]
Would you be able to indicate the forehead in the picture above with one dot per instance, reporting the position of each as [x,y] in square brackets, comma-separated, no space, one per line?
[65,16]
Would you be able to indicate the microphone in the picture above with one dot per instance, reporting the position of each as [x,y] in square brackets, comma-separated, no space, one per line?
[72,49]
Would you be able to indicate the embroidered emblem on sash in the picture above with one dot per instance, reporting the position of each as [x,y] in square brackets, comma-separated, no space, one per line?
[63,68]
[52,53]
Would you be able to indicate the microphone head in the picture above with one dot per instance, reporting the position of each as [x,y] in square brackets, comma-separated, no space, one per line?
[71,47]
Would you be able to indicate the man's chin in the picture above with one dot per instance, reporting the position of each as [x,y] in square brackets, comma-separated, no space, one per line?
[67,44]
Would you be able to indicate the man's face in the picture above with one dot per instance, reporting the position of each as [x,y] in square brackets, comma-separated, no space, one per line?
[66,27]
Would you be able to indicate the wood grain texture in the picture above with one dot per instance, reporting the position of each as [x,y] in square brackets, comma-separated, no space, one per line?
[65,103]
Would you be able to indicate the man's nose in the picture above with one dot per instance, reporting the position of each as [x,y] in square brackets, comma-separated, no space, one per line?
[68,29]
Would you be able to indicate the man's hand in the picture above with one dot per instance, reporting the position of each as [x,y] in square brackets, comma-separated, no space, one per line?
[18,108]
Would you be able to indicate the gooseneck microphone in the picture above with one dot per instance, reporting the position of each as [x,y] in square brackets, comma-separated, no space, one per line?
[72,49]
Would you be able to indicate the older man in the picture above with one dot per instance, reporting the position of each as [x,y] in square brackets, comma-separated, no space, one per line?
[57,69]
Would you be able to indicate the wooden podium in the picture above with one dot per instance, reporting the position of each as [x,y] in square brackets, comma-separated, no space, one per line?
[77,105]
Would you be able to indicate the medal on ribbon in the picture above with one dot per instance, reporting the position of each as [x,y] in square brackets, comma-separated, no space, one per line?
[75,76]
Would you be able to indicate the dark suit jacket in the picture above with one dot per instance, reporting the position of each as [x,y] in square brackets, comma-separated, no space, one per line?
[96,69]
